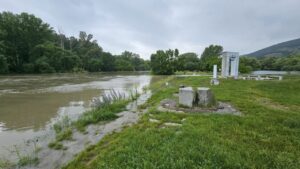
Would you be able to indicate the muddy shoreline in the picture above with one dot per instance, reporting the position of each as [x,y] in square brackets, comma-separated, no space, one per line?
[50,159]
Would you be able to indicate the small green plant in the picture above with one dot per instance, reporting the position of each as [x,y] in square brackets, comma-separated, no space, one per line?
[5,163]
[133,94]
[63,131]
[28,159]
[56,146]
[62,124]
[104,109]
[108,112]
[107,99]
[145,88]
[64,135]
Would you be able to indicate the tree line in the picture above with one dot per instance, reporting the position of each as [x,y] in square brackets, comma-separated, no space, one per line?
[169,61]
[28,45]
[283,63]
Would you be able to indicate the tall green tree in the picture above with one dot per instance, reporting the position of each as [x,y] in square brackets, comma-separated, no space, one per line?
[20,34]
[188,61]
[162,62]
[210,57]
[129,61]
[28,45]
[108,61]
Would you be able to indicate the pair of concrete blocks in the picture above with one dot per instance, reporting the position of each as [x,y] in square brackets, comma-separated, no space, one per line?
[203,97]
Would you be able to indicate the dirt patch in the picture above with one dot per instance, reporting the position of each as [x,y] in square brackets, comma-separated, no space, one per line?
[170,105]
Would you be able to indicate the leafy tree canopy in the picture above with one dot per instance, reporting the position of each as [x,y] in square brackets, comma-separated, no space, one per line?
[210,57]
[28,45]
[162,62]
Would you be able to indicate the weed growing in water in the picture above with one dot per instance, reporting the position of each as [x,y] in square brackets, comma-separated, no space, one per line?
[63,131]
[5,163]
[133,93]
[27,159]
[107,99]
[56,146]
[105,108]
[108,112]
[62,124]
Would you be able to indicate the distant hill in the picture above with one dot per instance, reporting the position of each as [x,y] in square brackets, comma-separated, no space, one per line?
[280,49]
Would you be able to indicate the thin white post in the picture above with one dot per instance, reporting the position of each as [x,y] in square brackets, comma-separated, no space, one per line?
[215,72]
[214,80]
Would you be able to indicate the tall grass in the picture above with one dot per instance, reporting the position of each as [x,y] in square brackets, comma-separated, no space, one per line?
[104,108]
[107,99]
[5,163]
[24,158]
[27,159]
[63,131]
[133,94]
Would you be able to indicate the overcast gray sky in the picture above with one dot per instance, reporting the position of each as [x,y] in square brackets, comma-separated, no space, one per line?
[143,26]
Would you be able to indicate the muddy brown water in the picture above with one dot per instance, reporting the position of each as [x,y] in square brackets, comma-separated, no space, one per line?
[30,104]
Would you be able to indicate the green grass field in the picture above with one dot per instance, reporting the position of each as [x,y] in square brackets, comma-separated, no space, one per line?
[267,135]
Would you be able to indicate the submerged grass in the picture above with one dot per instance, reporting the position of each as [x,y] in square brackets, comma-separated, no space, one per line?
[28,160]
[263,137]
[105,108]
[5,164]
[56,145]
[105,113]
[24,158]
[63,131]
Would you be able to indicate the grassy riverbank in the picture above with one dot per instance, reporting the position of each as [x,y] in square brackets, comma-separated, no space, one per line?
[267,135]
[106,111]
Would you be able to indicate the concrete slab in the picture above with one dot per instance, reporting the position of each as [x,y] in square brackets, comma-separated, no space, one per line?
[186,96]
[205,97]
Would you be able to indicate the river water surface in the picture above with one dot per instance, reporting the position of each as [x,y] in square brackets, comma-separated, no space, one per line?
[30,104]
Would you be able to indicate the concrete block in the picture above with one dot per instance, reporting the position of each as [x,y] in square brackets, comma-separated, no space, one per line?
[186,96]
[205,97]
[214,82]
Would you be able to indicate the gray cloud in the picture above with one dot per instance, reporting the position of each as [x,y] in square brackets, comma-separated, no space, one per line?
[143,26]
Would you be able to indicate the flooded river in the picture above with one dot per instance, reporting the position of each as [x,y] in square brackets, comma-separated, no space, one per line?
[29,104]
